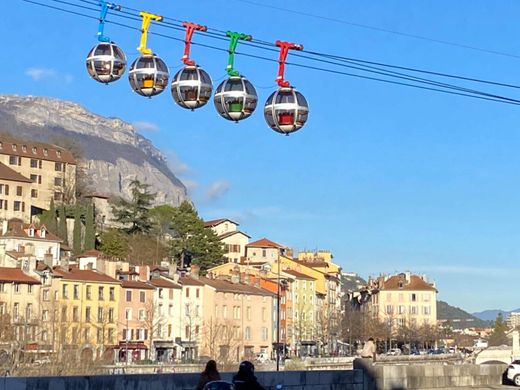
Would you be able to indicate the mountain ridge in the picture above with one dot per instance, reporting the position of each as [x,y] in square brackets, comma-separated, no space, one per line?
[113,152]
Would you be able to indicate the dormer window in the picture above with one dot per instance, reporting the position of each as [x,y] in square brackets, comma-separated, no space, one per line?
[31,232]
[34,149]
[24,148]
[1,145]
[58,153]
[45,152]
[14,147]
[42,233]
[400,284]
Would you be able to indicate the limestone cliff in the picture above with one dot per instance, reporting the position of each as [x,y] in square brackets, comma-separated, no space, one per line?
[114,153]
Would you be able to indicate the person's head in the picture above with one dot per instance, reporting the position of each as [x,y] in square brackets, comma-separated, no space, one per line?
[211,366]
[370,339]
[246,368]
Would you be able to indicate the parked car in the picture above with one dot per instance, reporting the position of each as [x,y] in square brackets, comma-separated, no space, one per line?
[262,357]
[480,343]
[394,352]
[513,372]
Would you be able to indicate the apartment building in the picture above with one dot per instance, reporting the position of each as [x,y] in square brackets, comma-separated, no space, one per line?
[19,308]
[233,240]
[238,319]
[404,299]
[50,169]
[191,312]
[15,195]
[87,302]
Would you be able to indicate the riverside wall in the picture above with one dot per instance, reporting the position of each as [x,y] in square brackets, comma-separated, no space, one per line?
[364,376]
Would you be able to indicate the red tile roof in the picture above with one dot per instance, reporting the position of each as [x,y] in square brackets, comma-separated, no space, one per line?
[215,222]
[416,283]
[7,173]
[238,288]
[189,281]
[16,275]
[161,282]
[264,243]
[297,274]
[17,229]
[84,275]
[53,151]
[136,284]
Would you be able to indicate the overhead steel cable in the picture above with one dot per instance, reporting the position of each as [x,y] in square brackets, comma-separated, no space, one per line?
[442,87]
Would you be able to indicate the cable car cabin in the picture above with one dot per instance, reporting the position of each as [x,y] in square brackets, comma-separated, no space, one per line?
[106,62]
[286,110]
[148,75]
[191,87]
[235,98]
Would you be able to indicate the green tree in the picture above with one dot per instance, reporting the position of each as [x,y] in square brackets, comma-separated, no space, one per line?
[191,238]
[498,337]
[76,238]
[114,243]
[135,214]
[161,217]
[48,218]
[90,233]
[62,226]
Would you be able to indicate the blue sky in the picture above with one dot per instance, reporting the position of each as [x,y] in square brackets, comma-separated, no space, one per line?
[388,178]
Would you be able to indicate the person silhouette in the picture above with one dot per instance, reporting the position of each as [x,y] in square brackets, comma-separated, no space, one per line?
[245,378]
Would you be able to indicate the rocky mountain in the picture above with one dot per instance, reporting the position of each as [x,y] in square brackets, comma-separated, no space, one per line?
[458,318]
[112,151]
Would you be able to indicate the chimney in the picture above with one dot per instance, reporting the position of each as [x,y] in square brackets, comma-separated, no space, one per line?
[144,273]
[408,277]
[194,271]
[172,269]
[235,274]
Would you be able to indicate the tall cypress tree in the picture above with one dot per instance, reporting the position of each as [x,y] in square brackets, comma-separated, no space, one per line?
[90,234]
[76,243]
[48,218]
[62,227]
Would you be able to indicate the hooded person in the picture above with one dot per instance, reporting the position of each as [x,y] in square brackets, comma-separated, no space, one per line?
[245,378]
[209,374]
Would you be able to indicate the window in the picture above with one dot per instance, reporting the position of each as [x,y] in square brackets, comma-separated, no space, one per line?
[264,314]
[58,181]
[58,153]
[112,293]
[264,253]
[99,335]
[401,309]
[413,297]
[129,296]
[3,204]
[161,293]
[86,334]
[265,333]
[45,152]
[34,150]
[389,309]
[28,312]
[224,311]
[187,292]
[17,205]
[100,314]
[7,190]
[34,178]
[64,313]
[16,311]
[426,310]
[413,309]
[13,160]
[142,315]
[57,166]
[100,293]
[19,190]
[45,295]
[34,163]
[111,315]
[111,336]
[89,292]
[426,297]
[64,291]
[24,148]
[248,313]
[76,291]
[75,314]
[34,193]
[45,315]
[236,312]
[142,296]
[58,195]
[197,293]
[187,310]
[128,314]
[247,333]
[29,288]
[87,314]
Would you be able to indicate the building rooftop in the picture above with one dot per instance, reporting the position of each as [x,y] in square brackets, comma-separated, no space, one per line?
[399,282]
[215,222]
[87,275]
[15,275]
[165,283]
[37,150]
[136,284]
[236,288]
[9,174]
[264,243]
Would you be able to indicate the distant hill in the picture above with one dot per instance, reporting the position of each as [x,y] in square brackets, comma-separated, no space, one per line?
[458,318]
[491,315]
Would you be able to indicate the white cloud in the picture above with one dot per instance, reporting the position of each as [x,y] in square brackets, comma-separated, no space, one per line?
[217,189]
[145,126]
[178,167]
[39,74]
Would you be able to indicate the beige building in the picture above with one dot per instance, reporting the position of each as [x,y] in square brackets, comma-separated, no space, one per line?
[50,169]
[404,300]
[15,195]
[191,315]
[238,319]
[19,309]
[233,240]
